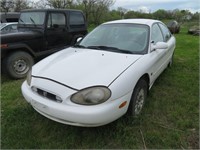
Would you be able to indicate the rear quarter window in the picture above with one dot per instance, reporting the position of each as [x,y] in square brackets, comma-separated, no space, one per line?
[166,33]
[76,18]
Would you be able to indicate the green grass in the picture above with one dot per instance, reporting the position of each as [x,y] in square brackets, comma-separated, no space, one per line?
[170,118]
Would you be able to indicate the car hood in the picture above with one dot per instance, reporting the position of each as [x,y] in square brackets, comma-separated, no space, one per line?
[19,36]
[81,68]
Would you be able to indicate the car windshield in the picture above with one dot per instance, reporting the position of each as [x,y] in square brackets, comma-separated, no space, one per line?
[123,38]
[32,18]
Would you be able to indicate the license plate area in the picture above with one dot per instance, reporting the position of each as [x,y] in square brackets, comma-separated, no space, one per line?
[38,105]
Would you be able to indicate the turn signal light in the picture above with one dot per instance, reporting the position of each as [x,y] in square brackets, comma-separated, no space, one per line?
[4,45]
[122,104]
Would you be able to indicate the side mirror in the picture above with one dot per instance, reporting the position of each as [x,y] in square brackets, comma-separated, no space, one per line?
[79,39]
[159,45]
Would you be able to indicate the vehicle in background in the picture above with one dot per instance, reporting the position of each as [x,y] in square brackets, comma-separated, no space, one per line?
[194,30]
[8,27]
[9,17]
[173,26]
[41,32]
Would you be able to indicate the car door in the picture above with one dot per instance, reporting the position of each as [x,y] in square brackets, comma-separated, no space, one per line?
[157,56]
[56,30]
[170,40]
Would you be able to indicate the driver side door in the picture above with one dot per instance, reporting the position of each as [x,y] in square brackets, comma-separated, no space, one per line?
[56,30]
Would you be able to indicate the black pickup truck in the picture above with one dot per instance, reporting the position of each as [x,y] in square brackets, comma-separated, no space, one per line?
[40,32]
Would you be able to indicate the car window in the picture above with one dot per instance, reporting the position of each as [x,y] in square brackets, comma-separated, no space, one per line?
[56,19]
[127,37]
[156,35]
[76,18]
[9,28]
[32,18]
[2,25]
[13,27]
[166,32]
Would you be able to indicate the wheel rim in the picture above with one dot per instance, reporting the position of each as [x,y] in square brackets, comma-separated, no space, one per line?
[20,66]
[139,101]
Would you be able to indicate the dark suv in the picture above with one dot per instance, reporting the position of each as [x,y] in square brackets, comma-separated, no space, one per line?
[40,33]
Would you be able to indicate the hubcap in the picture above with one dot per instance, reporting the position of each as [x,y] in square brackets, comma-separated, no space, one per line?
[139,101]
[20,66]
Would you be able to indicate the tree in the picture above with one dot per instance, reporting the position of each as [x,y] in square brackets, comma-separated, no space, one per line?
[39,4]
[113,15]
[60,3]
[160,14]
[20,5]
[196,16]
[177,15]
[95,10]
[130,14]
[122,11]
[137,14]
[14,5]
[88,4]
[100,9]
[7,5]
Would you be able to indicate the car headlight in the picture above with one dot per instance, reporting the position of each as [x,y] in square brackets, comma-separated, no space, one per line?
[91,96]
[29,77]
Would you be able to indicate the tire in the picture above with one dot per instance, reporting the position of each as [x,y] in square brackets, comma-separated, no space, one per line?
[17,64]
[138,98]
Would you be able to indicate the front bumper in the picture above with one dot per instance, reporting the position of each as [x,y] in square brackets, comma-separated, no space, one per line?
[74,114]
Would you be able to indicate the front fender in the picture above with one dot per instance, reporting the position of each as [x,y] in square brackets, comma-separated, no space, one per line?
[8,48]
[127,81]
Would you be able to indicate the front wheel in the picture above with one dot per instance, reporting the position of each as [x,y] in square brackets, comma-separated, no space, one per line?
[17,64]
[138,98]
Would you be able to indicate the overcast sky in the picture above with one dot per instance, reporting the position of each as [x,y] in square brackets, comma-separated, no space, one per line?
[153,5]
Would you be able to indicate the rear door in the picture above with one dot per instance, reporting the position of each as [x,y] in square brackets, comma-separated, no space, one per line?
[56,30]
[169,39]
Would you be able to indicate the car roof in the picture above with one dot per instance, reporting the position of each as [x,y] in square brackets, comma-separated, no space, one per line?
[47,9]
[148,22]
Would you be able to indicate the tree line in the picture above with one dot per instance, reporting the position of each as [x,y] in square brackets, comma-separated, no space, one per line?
[97,11]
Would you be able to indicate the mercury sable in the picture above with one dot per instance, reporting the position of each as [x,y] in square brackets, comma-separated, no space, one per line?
[105,75]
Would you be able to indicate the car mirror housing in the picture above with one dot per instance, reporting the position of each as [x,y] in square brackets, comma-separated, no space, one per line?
[79,39]
[159,45]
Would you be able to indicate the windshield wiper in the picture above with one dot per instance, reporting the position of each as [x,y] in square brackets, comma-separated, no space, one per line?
[22,21]
[108,48]
[79,46]
[33,21]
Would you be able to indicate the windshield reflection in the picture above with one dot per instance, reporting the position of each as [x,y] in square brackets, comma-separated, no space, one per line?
[128,37]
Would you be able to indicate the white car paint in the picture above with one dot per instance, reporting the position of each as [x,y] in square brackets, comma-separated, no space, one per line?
[71,70]
[97,62]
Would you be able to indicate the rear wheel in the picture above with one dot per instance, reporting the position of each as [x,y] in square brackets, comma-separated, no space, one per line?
[17,64]
[138,98]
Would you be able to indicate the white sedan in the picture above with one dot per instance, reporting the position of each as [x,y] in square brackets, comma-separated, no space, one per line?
[105,75]
[8,27]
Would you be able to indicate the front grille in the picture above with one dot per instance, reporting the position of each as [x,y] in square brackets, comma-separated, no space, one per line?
[47,95]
